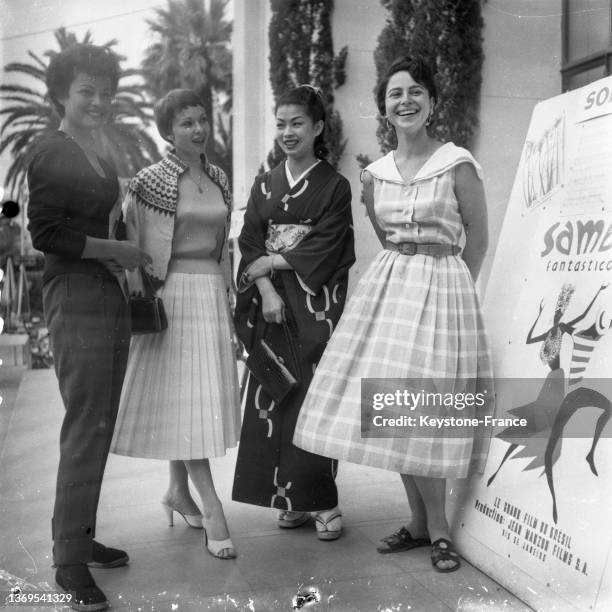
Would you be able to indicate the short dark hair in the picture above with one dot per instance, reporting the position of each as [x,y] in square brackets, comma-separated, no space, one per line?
[79,58]
[170,105]
[419,70]
[311,100]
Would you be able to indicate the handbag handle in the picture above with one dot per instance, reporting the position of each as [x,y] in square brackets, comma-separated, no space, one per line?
[291,345]
[289,339]
[147,283]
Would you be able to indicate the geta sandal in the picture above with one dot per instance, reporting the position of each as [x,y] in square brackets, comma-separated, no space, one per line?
[329,527]
[291,520]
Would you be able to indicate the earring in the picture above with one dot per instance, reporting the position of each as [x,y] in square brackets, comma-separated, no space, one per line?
[389,125]
[429,117]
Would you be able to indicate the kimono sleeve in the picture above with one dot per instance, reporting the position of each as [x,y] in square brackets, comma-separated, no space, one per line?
[252,239]
[329,247]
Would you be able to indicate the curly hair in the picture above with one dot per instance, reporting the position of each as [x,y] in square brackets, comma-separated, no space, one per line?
[79,58]
[419,70]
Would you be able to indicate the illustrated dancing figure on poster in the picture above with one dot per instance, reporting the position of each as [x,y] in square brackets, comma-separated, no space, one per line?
[560,397]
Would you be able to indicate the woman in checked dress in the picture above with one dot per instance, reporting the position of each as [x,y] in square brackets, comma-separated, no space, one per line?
[414,315]
[180,398]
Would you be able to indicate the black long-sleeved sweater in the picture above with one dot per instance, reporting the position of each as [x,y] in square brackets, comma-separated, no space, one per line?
[68,201]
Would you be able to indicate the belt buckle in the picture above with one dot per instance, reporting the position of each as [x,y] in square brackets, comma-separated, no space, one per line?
[408,248]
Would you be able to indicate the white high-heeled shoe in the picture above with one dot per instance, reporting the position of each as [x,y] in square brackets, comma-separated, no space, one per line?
[193,520]
[216,547]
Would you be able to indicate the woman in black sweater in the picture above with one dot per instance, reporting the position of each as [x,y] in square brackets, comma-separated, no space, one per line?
[73,190]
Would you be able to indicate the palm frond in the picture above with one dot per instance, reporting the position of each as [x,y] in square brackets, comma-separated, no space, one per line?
[16,175]
[16,113]
[28,69]
[5,143]
[34,122]
[21,89]
[38,60]
[191,48]
[22,100]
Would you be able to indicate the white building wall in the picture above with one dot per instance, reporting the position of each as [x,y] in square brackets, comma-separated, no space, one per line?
[522,47]
[358,24]
[253,127]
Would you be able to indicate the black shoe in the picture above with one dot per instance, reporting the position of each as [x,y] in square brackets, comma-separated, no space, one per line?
[78,582]
[107,558]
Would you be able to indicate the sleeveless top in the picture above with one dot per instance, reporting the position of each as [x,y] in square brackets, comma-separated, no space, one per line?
[198,224]
[425,210]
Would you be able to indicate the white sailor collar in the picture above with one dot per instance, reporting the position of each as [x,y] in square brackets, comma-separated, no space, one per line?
[440,161]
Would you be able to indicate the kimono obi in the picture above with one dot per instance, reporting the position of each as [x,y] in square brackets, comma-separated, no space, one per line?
[283,237]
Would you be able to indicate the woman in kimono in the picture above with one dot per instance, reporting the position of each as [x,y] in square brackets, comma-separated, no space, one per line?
[297,247]
[414,316]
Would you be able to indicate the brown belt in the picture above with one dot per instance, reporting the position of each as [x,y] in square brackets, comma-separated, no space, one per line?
[415,248]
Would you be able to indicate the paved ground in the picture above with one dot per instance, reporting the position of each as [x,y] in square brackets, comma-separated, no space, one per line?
[169,568]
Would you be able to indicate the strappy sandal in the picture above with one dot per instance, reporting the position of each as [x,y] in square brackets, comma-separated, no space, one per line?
[443,550]
[401,540]
[291,520]
[330,527]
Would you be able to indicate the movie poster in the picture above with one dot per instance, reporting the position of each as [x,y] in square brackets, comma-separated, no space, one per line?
[537,518]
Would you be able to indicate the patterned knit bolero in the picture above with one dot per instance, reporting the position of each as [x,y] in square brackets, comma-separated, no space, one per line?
[157,185]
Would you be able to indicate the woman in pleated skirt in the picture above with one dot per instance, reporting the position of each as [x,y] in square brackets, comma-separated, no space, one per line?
[180,399]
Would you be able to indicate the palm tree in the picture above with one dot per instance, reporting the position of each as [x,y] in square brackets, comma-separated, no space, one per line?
[30,117]
[193,51]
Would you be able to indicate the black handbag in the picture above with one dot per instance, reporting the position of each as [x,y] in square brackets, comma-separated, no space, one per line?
[276,376]
[148,314]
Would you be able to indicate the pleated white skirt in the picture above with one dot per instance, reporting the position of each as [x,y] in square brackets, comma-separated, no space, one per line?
[180,397]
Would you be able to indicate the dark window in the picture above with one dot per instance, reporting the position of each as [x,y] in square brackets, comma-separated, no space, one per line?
[587,42]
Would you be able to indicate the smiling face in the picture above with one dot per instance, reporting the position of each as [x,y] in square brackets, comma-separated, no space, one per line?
[407,103]
[87,103]
[190,130]
[296,131]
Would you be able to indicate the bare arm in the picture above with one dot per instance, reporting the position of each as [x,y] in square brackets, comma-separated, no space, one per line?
[473,207]
[266,264]
[368,197]
[279,262]
[272,305]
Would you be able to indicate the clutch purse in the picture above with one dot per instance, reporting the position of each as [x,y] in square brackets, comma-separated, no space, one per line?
[148,314]
[273,373]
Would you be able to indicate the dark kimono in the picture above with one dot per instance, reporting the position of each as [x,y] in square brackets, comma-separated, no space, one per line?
[316,215]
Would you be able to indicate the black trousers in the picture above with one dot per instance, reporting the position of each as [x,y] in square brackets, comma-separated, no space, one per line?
[89,325]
